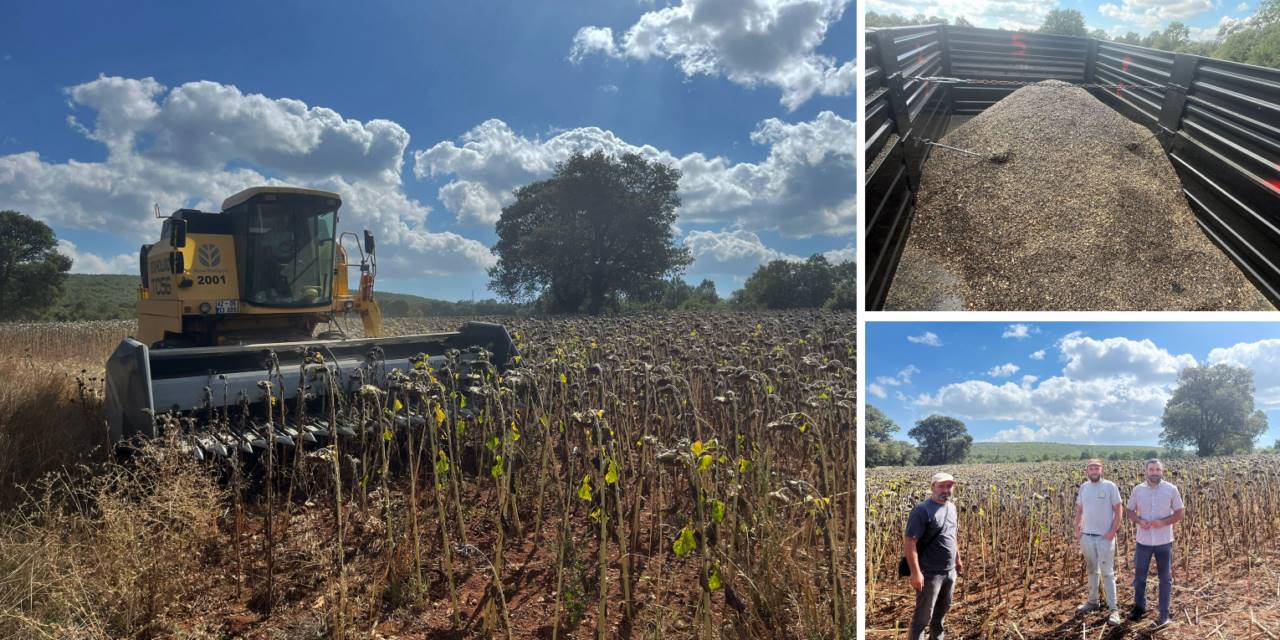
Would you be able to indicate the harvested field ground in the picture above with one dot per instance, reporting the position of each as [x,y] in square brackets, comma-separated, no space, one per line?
[1024,573]
[729,433]
[1081,211]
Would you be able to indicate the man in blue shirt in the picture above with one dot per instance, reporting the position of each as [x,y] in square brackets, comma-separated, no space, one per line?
[933,556]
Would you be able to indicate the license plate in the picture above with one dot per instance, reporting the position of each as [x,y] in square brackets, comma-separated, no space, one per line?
[227,306]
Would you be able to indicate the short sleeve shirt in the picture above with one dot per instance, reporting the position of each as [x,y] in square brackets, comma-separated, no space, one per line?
[927,520]
[1097,501]
[1155,503]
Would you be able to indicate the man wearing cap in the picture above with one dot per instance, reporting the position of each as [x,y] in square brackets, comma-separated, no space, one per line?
[1098,519]
[1154,506]
[933,556]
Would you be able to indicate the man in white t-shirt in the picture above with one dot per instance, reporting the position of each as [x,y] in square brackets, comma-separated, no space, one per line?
[1098,519]
[1154,506]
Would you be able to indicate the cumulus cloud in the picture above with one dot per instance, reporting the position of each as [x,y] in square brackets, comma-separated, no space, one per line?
[1022,433]
[195,144]
[877,391]
[840,256]
[86,262]
[1109,390]
[756,42]
[592,40]
[1263,357]
[801,189]
[903,377]
[1019,331]
[1088,358]
[1037,355]
[927,338]
[1003,370]
[1151,14]
[730,252]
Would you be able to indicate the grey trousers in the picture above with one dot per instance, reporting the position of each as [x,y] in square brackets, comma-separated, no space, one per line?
[1100,562]
[932,603]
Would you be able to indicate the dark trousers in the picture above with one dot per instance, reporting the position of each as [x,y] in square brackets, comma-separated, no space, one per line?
[932,603]
[1164,567]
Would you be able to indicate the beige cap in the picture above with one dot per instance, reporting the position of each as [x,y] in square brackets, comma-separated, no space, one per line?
[942,476]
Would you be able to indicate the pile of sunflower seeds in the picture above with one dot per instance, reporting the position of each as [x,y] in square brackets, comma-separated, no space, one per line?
[1067,206]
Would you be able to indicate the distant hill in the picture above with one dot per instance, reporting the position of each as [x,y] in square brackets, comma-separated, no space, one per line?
[113,297]
[980,452]
[95,297]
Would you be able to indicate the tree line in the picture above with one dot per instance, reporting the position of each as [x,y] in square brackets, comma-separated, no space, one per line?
[1210,413]
[1254,40]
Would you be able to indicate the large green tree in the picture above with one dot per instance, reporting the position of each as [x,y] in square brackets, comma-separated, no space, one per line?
[1212,409]
[1064,22]
[882,449]
[943,440]
[599,228]
[31,269]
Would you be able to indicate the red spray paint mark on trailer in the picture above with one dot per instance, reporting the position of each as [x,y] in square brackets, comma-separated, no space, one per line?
[1274,183]
[920,58]
[1119,88]
[1020,47]
[1125,66]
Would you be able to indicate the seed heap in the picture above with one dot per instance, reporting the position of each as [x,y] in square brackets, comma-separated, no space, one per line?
[1085,213]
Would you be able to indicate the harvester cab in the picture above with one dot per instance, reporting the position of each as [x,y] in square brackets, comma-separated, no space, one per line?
[228,300]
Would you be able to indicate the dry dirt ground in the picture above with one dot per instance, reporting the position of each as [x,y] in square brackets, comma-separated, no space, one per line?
[1240,600]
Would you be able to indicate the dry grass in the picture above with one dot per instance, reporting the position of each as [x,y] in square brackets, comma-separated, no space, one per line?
[107,556]
[49,420]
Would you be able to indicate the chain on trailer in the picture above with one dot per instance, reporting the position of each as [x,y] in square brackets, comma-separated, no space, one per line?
[1004,156]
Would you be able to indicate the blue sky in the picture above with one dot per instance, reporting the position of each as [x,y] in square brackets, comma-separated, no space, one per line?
[426,114]
[1116,17]
[1083,382]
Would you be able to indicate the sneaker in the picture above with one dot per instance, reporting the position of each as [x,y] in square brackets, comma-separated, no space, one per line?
[1136,614]
[1088,607]
[1162,623]
[1114,619]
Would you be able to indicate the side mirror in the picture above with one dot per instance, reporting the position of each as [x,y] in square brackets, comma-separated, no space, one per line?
[177,262]
[368,242]
[178,233]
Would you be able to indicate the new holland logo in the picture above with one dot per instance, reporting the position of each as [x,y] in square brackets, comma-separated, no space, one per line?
[209,256]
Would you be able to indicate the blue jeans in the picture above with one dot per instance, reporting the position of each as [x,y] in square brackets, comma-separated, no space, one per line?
[1164,567]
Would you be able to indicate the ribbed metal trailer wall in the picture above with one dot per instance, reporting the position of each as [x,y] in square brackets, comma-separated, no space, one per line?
[1219,122]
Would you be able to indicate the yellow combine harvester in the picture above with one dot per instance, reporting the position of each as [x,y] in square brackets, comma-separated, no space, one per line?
[231,299]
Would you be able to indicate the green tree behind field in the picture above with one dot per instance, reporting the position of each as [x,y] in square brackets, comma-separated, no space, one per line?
[787,284]
[599,229]
[882,450]
[1212,409]
[31,269]
[943,440]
